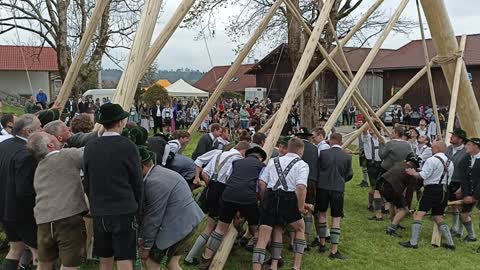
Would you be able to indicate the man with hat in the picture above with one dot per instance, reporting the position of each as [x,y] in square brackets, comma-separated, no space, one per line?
[456,152]
[397,187]
[436,174]
[470,185]
[170,215]
[113,183]
[282,146]
[240,195]
[310,156]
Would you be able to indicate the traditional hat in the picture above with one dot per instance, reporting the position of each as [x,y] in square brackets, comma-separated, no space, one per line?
[413,159]
[138,135]
[283,141]
[460,133]
[110,113]
[47,116]
[475,141]
[145,154]
[256,150]
[303,132]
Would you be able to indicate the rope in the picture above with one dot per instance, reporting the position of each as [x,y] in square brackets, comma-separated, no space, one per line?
[276,68]
[441,60]
[23,55]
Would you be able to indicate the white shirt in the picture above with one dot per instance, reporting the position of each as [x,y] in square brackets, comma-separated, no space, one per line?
[474,159]
[159,112]
[167,113]
[5,137]
[222,142]
[110,133]
[323,145]
[433,169]
[4,132]
[367,147]
[22,138]
[205,158]
[175,146]
[422,132]
[458,148]
[298,175]
[225,171]
[423,152]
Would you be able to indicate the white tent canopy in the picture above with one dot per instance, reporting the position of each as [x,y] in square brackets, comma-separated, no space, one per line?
[183,89]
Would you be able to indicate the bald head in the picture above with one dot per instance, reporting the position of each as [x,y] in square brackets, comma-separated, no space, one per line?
[439,147]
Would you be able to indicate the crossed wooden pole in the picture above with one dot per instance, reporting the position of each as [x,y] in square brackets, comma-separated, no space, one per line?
[143,54]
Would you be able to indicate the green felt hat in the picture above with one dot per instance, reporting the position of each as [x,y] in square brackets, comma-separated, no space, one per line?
[138,135]
[145,154]
[110,113]
[256,150]
[475,141]
[283,140]
[47,116]
[303,132]
[460,133]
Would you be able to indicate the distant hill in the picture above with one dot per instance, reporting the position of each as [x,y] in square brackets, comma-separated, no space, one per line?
[190,76]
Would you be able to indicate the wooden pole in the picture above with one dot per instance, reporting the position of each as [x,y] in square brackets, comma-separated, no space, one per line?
[456,87]
[363,68]
[335,68]
[446,45]
[298,76]
[390,102]
[233,69]
[74,68]
[129,81]
[429,74]
[165,35]
[358,94]
[313,76]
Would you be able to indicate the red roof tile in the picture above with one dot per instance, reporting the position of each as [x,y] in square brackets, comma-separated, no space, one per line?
[238,83]
[411,54]
[356,57]
[28,57]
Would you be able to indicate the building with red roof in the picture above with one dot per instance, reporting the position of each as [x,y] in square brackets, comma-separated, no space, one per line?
[26,69]
[237,83]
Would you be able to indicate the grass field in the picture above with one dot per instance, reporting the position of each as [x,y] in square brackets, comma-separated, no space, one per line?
[6,108]
[365,243]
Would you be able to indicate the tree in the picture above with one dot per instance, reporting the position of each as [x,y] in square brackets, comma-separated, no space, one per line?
[155,93]
[61,24]
[283,27]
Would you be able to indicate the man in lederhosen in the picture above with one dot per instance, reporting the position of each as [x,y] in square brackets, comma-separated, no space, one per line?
[310,156]
[470,184]
[436,175]
[283,187]
[240,195]
[334,170]
[457,153]
[216,174]
[372,144]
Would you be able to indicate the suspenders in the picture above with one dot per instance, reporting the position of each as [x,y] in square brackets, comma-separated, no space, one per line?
[373,149]
[282,174]
[219,166]
[445,171]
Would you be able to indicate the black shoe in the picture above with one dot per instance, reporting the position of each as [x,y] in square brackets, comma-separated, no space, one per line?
[327,239]
[315,243]
[374,218]
[386,212]
[448,246]
[269,262]
[392,233]
[408,245]
[468,239]
[194,262]
[307,248]
[290,247]
[400,227]
[337,256]
[370,208]
[249,248]
[243,241]
[322,248]
[204,263]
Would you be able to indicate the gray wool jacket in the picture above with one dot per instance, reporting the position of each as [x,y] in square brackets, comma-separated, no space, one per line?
[170,213]
[394,151]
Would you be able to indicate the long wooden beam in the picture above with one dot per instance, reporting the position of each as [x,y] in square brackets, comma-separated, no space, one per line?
[313,76]
[298,76]
[363,68]
[390,102]
[357,94]
[235,66]
[335,68]
[85,42]
[128,83]
[165,35]
[452,112]
[446,45]
[429,73]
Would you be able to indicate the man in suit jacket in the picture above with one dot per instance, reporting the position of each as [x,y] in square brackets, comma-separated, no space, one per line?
[156,113]
[58,129]
[205,143]
[17,196]
[170,215]
[334,170]
[72,107]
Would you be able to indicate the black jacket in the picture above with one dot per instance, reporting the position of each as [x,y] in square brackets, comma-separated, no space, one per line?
[241,186]
[471,184]
[154,110]
[310,156]
[334,169]
[205,144]
[17,169]
[113,176]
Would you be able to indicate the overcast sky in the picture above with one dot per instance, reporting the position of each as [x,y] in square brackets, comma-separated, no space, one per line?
[183,51]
